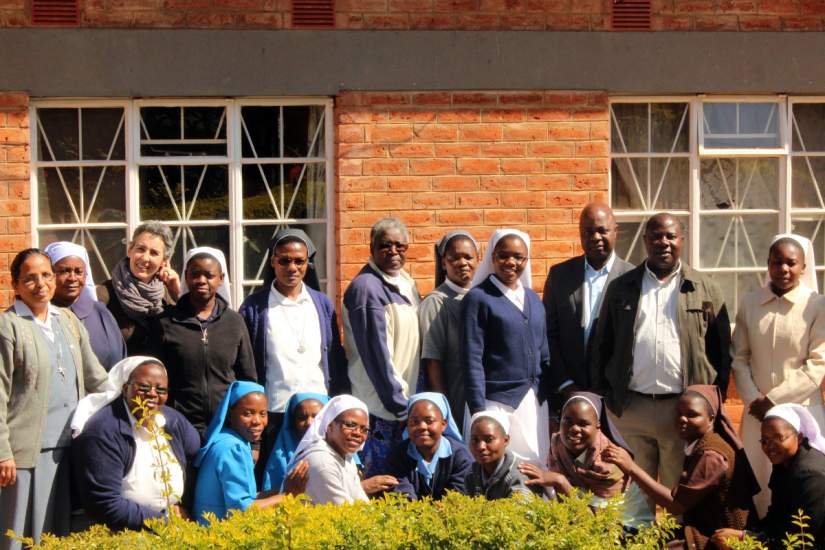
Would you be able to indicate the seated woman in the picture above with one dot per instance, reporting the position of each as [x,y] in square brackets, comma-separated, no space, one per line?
[717,484]
[495,473]
[114,451]
[576,452]
[329,446]
[793,443]
[226,475]
[431,460]
[300,412]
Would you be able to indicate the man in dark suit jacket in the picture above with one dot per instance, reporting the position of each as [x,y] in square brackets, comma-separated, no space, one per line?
[573,295]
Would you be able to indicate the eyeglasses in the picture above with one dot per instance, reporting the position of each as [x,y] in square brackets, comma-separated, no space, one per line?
[387,246]
[147,388]
[285,262]
[775,440]
[350,426]
[504,256]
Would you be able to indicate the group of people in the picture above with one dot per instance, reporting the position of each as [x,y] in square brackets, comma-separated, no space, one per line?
[148,395]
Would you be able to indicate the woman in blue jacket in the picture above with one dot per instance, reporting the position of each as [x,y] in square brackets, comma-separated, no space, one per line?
[504,350]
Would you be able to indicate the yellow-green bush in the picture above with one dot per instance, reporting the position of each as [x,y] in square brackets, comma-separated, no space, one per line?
[456,522]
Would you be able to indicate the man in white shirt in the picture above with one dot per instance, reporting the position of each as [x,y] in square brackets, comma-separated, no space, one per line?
[662,327]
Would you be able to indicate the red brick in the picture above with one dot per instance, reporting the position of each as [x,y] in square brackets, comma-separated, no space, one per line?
[477,200]
[592,113]
[502,183]
[361,5]
[387,99]
[456,5]
[464,115]
[549,216]
[411,116]
[566,166]
[427,234]
[802,23]
[565,98]
[410,183]
[548,114]
[16,154]
[477,21]
[590,182]
[415,217]
[521,166]
[569,130]
[261,20]
[548,183]
[459,217]
[671,23]
[431,98]
[480,132]
[353,253]
[737,6]
[392,133]
[759,23]
[474,98]
[13,171]
[359,150]
[14,207]
[432,166]
[503,217]
[17,119]
[455,183]
[599,130]
[433,200]
[385,167]
[13,99]
[352,201]
[568,22]
[478,166]
[457,150]
[412,150]
[525,199]
[363,183]
[386,201]
[430,22]
[350,133]
[591,149]
[566,198]
[350,167]
[353,236]
[19,189]
[695,6]
[14,136]
[525,131]
[519,98]
[552,249]
[779,7]
[716,23]
[811,7]
[503,115]
[502,149]
[436,132]
[521,21]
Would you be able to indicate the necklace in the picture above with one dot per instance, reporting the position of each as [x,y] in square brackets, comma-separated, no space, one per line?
[299,336]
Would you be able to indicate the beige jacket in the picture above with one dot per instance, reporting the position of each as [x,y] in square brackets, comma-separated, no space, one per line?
[779,346]
[25,376]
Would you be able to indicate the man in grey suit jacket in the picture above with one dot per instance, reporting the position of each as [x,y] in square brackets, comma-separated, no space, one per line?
[573,295]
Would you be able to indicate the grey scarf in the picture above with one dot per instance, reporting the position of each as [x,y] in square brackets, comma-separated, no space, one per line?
[138,299]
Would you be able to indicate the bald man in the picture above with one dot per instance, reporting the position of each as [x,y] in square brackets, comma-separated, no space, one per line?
[662,328]
[573,294]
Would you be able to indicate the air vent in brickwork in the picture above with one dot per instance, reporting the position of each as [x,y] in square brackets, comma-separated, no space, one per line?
[313,14]
[55,13]
[631,15]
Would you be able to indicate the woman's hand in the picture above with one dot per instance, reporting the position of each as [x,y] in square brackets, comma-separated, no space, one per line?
[618,456]
[545,478]
[296,480]
[171,279]
[8,472]
[718,538]
[759,407]
[378,484]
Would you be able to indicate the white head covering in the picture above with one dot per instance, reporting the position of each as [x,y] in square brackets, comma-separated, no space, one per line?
[318,429]
[808,277]
[802,421]
[61,249]
[485,268]
[224,289]
[499,416]
[118,376]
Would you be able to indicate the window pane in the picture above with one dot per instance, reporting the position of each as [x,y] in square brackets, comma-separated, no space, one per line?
[184,192]
[303,131]
[105,246]
[809,127]
[260,132]
[812,227]
[256,242]
[649,127]
[650,184]
[736,241]
[58,137]
[103,134]
[285,191]
[735,285]
[739,183]
[629,128]
[183,131]
[630,245]
[741,125]
[189,237]
[669,127]
[808,177]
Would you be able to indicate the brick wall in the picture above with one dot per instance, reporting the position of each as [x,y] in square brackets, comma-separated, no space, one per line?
[15,208]
[471,160]
[568,15]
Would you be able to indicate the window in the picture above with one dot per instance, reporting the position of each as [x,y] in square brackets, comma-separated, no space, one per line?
[736,170]
[222,173]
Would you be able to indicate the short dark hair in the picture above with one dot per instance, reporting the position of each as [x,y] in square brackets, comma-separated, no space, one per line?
[22,256]
[783,241]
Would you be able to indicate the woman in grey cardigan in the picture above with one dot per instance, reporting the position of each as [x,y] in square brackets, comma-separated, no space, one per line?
[46,366]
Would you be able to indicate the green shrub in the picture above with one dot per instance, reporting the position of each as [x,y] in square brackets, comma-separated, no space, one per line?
[456,522]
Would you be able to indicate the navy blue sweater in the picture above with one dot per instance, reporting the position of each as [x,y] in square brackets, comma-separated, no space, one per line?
[103,454]
[503,351]
[254,312]
[449,473]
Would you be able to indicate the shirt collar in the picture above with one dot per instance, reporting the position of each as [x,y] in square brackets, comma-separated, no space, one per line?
[506,290]
[797,294]
[689,448]
[280,299]
[21,309]
[676,272]
[455,288]
[608,265]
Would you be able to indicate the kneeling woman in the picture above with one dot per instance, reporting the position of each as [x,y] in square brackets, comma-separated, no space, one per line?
[226,476]
[329,446]
[431,460]
[717,484]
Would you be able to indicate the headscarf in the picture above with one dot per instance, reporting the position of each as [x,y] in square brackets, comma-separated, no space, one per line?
[802,421]
[318,430]
[225,290]
[139,300]
[485,268]
[502,418]
[427,469]
[808,276]
[286,443]
[441,249]
[311,276]
[61,249]
[609,481]
[744,483]
[237,389]
[118,376]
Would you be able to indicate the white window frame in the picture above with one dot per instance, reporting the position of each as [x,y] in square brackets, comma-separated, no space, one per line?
[233,160]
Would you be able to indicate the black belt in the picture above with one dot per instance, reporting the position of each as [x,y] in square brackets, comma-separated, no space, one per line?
[657,396]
